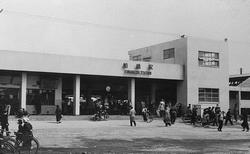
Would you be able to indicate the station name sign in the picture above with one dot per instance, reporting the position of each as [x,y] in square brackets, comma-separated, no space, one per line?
[137,69]
[137,72]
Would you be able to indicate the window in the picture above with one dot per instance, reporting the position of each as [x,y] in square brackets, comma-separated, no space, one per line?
[210,59]
[136,58]
[245,95]
[40,97]
[208,95]
[168,53]
[146,58]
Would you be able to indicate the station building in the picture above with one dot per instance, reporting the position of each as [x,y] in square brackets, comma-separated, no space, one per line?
[186,71]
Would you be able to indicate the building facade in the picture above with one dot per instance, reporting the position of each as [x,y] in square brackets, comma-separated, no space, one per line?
[187,71]
[240,93]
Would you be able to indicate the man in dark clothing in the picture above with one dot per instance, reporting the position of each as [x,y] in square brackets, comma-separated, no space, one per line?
[228,117]
[245,122]
[4,122]
[194,115]
[173,114]
[26,132]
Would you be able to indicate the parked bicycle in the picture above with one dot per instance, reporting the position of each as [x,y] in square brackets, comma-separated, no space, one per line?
[6,147]
[18,143]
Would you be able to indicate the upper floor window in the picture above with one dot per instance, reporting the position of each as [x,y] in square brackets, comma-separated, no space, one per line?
[208,95]
[136,58]
[210,59]
[147,59]
[168,53]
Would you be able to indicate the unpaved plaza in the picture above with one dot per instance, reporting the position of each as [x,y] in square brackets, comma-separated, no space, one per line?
[117,136]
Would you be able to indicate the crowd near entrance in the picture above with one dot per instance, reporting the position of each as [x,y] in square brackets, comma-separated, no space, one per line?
[111,94]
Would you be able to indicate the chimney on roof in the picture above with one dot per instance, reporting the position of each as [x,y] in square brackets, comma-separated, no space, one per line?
[241,70]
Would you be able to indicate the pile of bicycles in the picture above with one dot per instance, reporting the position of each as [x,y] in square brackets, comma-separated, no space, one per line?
[18,144]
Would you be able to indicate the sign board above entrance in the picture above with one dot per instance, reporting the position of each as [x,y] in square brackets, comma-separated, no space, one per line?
[137,70]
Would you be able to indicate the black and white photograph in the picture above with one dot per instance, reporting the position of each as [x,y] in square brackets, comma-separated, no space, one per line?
[124,76]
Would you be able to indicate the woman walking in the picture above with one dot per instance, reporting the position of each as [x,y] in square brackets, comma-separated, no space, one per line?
[58,114]
[244,124]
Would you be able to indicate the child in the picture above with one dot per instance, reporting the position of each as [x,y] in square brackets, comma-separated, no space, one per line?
[132,116]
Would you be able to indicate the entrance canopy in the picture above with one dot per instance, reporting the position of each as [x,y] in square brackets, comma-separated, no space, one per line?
[38,62]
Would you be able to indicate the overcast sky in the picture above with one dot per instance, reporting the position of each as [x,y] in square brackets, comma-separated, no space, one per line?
[110,28]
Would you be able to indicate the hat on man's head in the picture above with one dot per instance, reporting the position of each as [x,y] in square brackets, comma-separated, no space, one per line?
[25,119]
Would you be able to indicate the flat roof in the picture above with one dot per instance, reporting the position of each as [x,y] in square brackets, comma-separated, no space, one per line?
[54,63]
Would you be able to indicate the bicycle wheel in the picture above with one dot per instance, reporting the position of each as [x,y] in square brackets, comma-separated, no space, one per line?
[7,148]
[34,146]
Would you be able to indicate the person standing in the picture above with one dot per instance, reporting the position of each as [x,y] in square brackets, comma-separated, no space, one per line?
[235,113]
[194,115]
[228,117]
[161,107]
[245,122]
[4,122]
[132,116]
[58,114]
[166,117]
[220,120]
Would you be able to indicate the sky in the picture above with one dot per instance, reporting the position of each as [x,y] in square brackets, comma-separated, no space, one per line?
[110,28]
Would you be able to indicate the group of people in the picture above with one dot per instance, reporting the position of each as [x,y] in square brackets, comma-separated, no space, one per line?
[167,111]
[164,110]
[214,116]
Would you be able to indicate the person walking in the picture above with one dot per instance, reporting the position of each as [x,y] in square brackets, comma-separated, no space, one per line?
[132,116]
[58,114]
[244,124]
[228,117]
[173,114]
[220,120]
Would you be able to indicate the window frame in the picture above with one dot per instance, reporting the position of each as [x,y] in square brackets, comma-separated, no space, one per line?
[211,95]
[208,59]
[137,58]
[169,53]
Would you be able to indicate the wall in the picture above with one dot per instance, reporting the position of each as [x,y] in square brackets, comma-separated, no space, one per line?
[207,77]
[156,52]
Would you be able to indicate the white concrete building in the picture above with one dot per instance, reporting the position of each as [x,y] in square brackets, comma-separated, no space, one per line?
[187,71]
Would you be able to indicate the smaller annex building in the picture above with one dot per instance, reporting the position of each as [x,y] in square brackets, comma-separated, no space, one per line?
[186,71]
[240,93]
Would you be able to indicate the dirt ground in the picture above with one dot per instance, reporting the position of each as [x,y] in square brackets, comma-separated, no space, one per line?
[117,136]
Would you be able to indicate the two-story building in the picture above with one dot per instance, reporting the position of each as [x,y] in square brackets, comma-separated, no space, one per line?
[187,71]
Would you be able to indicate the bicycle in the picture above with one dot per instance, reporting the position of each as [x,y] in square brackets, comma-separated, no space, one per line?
[6,147]
[26,143]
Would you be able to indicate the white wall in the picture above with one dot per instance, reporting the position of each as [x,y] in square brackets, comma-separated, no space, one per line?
[37,62]
[207,77]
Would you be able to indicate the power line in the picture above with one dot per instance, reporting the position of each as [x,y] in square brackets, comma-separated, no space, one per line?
[84,23]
